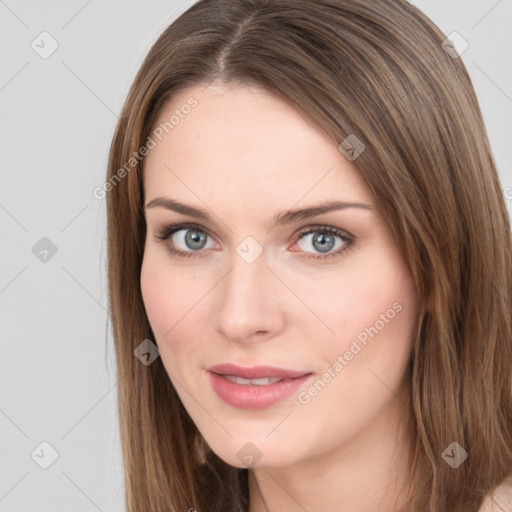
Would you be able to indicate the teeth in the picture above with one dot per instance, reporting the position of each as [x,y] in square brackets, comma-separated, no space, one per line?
[253,382]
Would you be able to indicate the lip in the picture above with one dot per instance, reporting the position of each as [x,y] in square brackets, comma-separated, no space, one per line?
[246,396]
[255,372]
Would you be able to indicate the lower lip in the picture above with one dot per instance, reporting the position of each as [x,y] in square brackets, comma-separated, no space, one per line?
[255,397]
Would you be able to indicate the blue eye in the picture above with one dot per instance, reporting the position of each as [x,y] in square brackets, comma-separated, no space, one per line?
[188,238]
[324,239]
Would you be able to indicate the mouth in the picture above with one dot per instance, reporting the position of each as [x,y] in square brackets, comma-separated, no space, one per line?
[256,387]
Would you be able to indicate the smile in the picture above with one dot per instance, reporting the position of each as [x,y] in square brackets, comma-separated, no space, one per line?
[257,393]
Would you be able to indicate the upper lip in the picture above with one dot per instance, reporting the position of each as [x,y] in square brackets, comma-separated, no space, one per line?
[255,372]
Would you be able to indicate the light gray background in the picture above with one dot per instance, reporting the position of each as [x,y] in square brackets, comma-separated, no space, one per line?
[58,115]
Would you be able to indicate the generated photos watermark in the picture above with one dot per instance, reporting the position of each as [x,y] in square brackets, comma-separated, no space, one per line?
[342,361]
[180,113]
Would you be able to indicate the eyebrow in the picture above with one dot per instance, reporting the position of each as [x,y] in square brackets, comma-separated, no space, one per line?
[279,219]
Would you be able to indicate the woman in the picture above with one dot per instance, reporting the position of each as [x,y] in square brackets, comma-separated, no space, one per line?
[305,218]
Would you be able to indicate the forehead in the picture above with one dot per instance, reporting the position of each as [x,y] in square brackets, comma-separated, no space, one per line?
[240,143]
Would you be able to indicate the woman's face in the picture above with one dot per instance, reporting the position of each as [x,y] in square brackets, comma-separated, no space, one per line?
[324,293]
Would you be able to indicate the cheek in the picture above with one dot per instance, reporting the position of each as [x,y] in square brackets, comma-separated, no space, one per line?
[372,289]
[175,306]
[373,311]
[158,302]
[168,292]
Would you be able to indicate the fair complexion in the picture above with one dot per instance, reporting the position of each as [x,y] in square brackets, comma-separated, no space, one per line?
[244,156]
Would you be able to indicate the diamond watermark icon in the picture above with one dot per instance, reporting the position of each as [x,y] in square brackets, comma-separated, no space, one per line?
[454,455]
[44,45]
[455,45]
[352,147]
[249,454]
[249,249]
[44,455]
[44,250]
[146,352]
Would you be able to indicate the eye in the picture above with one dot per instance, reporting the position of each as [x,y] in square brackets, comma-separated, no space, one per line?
[326,241]
[186,239]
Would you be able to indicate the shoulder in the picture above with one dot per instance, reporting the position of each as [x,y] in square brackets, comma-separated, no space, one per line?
[500,499]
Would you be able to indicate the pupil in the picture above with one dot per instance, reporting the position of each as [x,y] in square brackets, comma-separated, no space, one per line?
[325,242]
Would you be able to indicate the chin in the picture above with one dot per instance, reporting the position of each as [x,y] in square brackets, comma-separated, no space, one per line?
[254,455]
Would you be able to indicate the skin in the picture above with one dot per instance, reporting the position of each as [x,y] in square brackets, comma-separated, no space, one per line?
[244,155]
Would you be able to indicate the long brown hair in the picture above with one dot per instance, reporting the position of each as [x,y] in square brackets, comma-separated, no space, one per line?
[377,70]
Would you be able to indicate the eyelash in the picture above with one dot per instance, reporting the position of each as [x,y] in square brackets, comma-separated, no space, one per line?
[165,232]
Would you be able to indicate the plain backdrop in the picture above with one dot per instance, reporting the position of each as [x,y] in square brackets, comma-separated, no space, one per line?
[58,419]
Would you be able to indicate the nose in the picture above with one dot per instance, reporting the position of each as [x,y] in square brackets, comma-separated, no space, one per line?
[248,302]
